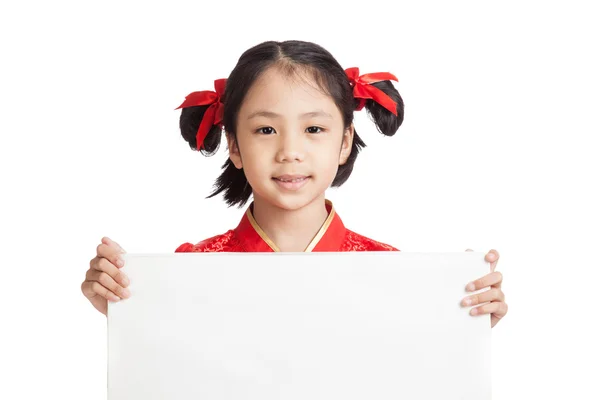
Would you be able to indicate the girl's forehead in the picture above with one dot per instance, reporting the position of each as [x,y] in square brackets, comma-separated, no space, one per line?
[277,89]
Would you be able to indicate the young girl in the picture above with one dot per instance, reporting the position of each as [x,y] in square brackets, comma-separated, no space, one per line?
[287,112]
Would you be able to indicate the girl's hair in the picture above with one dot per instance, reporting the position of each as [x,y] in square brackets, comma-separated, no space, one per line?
[290,57]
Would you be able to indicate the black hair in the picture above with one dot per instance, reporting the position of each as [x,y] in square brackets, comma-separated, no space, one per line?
[289,56]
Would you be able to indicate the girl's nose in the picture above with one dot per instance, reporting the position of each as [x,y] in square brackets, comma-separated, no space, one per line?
[291,148]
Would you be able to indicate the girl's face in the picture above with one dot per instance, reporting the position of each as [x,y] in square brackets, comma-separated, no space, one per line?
[291,140]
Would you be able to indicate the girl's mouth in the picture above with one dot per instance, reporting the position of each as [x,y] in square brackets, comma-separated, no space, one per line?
[290,182]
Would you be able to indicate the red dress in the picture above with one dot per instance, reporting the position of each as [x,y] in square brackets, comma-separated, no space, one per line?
[249,237]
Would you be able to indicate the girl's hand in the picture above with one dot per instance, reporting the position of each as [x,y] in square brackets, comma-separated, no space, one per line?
[104,280]
[496,306]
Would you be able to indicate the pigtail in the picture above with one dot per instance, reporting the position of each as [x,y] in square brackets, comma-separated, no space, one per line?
[232,182]
[189,122]
[201,121]
[386,122]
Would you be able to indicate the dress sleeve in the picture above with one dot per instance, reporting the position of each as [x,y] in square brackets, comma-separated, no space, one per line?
[184,248]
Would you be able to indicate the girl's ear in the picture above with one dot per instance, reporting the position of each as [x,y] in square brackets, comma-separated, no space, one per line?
[347,144]
[234,151]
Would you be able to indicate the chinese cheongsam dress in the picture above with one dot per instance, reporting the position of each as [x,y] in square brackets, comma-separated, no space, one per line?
[249,237]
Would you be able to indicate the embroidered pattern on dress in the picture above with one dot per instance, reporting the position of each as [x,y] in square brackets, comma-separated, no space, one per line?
[356,242]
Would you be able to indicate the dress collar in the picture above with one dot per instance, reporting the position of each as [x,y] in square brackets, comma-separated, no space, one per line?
[329,237]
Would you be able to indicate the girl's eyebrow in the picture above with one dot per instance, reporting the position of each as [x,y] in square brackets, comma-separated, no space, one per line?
[270,114]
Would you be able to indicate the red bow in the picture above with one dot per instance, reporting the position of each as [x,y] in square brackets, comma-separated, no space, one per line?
[363,90]
[213,115]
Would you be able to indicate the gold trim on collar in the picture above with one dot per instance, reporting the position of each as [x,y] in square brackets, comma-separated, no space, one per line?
[259,230]
[312,243]
[323,229]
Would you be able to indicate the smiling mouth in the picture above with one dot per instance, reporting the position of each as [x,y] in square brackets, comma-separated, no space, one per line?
[291,178]
[291,182]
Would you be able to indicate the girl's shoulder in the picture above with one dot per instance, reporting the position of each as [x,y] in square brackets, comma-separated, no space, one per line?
[358,242]
[218,243]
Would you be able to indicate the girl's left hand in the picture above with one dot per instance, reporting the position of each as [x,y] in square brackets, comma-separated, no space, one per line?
[496,306]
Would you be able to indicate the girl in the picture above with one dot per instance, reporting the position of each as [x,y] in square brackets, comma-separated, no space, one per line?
[287,112]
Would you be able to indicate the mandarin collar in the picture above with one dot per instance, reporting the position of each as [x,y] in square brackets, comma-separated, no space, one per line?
[329,237]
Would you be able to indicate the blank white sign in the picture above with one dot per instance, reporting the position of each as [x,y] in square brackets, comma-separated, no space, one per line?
[299,326]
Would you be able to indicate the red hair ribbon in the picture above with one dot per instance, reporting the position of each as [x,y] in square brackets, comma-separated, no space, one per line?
[213,115]
[363,89]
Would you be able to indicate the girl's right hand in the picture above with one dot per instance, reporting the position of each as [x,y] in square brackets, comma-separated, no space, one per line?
[104,280]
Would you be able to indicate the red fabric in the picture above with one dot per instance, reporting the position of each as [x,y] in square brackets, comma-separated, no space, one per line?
[213,114]
[363,89]
[245,238]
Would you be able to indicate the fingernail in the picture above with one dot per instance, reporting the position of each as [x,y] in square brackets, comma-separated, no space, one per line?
[114,297]
[467,301]
[471,287]
[126,281]
[474,311]
[120,262]
[126,293]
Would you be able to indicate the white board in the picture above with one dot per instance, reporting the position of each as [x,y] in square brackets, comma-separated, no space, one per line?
[299,326]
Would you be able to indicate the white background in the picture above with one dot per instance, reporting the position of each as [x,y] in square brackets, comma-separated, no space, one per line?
[499,149]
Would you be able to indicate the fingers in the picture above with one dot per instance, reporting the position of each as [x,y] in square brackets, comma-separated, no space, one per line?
[492,279]
[104,278]
[493,294]
[492,256]
[92,289]
[103,264]
[104,281]
[111,243]
[111,253]
[497,308]
[108,282]
[101,280]
[495,303]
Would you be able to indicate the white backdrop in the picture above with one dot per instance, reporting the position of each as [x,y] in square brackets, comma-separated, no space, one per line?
[499,149]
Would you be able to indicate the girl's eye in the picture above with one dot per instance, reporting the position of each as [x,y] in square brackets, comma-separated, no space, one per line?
[267,130]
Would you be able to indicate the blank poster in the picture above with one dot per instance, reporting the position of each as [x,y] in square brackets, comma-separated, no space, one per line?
[299,326]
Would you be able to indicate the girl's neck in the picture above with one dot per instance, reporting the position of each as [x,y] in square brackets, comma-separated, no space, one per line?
[290,230]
